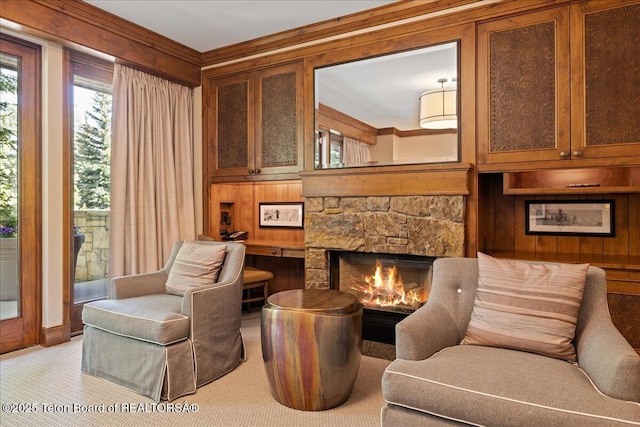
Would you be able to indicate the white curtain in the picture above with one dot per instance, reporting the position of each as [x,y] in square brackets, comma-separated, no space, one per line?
[152,199]
[355,152]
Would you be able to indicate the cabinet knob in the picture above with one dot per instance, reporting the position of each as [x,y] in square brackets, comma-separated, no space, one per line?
[251,171]
[564,154]
[577,153]
[258,171]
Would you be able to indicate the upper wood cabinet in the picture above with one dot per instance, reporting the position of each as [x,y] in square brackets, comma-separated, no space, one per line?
[560,84]
[254,123]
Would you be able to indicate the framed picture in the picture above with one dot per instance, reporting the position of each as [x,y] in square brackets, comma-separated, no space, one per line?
[570,217]
[288,215]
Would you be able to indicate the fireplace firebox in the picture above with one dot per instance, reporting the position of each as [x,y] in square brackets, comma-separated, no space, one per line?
[389,286]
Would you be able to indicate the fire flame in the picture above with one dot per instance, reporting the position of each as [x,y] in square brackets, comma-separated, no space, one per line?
[385,289]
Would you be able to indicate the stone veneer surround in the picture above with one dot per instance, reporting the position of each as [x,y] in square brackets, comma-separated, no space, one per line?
[415,225]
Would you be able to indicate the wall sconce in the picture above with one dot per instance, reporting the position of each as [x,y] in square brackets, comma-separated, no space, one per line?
[438,108]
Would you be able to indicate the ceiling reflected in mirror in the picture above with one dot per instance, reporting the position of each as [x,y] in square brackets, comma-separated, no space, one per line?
[377,101]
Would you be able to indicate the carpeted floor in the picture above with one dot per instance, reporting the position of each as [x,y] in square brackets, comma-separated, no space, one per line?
[44,386]
[379,350]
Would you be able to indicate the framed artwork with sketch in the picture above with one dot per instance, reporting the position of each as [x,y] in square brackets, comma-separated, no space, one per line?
[286,215]
[570,217]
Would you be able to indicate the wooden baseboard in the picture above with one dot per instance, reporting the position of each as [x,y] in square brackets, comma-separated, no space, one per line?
[53,336]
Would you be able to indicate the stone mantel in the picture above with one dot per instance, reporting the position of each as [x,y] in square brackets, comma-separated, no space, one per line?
[413,209]
[415,225]
[410,180]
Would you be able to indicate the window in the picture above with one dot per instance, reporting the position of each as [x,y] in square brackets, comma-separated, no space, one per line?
[89,110]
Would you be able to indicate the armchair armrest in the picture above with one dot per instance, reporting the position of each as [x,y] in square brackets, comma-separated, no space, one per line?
[425,332]
[610,361]
[215,312]
[138,285]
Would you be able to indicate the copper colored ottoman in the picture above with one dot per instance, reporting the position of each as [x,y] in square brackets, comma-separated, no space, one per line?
[311,347]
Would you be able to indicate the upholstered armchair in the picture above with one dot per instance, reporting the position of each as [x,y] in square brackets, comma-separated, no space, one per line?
[163,334]
[437,379]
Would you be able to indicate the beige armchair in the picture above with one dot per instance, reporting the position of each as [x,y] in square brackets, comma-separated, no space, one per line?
[437,381]
[164,345]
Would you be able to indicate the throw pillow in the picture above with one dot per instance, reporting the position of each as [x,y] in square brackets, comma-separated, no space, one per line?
[527,306]
[196,264]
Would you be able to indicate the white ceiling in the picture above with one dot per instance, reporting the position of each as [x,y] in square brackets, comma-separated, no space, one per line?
[384,91]
[382,94]
[205,25]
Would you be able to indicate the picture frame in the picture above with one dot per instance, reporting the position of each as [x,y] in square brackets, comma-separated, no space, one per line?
[281,214]
[570,217]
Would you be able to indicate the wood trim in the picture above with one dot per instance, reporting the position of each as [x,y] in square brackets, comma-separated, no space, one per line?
[53,336]
[356,21]
[302,42]
[114,24]
[564,181]
[25,330]
[441,179]
[80,23]
[345,124]
[73,23]
[415,132]
[90,66]
[67,196]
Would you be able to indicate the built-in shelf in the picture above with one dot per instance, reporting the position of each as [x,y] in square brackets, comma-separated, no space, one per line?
[600,180]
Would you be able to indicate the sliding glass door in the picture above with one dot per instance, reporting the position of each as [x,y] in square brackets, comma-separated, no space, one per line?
[20,194]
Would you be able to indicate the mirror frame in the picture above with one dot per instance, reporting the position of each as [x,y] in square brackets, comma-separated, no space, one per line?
[463,34]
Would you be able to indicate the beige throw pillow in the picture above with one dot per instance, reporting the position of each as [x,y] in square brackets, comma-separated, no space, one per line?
[527,306]
[196,264]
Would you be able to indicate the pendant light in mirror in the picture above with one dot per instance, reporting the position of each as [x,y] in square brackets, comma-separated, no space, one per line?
[438,108]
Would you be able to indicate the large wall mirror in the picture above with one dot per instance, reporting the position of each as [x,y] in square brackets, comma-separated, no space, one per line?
[400,108]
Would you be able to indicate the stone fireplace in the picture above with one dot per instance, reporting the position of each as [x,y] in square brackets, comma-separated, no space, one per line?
[424,227]
[385,282]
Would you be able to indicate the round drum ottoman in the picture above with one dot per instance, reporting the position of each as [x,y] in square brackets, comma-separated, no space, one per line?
[311,347]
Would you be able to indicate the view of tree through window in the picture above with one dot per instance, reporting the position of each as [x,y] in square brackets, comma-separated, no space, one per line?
[8,151]
[92,145]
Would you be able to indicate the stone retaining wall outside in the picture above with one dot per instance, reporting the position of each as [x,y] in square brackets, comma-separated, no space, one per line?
[93,258]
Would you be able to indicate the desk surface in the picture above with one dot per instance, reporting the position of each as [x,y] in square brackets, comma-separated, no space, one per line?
[275,248]
[326,301]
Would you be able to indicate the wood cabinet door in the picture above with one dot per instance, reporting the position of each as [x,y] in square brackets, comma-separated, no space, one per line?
[230,125]
[605,83]
[523,88]
[278,120]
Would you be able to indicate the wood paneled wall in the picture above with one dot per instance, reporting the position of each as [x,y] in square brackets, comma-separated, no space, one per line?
[242,200]
[502,233]
[503,225]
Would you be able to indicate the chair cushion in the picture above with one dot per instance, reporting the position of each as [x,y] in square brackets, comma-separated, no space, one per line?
[252,275]
[527,306]
[196,264]
[494,386]
[152,318]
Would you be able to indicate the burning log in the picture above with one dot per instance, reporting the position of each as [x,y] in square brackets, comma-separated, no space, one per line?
[385,289]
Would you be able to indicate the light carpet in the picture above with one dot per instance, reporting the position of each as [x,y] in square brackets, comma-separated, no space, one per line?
[44,386]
